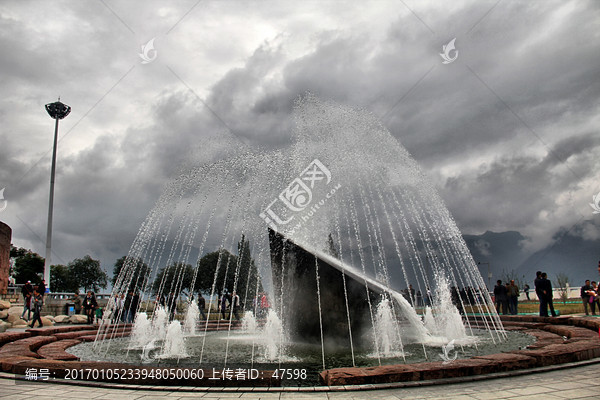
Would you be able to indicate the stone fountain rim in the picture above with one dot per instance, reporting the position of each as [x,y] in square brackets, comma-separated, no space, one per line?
[566,345]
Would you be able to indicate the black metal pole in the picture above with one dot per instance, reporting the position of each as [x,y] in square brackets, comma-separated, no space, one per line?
[48,261]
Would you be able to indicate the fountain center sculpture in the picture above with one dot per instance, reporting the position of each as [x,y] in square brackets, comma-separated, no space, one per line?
[346,233]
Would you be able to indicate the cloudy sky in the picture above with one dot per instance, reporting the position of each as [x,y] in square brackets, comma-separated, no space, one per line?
[507,132]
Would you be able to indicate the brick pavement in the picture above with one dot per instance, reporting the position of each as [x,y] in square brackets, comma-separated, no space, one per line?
[579,382]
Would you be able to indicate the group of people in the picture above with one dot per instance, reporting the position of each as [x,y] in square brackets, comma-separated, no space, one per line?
[33,300]
[228,305]
[231,302]
[125,307]
[507,297]
[89,306]
[590,296]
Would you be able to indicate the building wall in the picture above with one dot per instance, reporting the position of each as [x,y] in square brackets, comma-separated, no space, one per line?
[5,239]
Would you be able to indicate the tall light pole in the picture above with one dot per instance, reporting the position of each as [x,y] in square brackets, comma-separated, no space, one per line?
[57,111]
[489,274]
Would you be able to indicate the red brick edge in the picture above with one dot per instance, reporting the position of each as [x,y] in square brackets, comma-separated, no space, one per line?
[45,348]
[559,340]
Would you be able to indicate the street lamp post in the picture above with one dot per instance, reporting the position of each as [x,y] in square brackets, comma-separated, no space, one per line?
[57,111]
[489,273]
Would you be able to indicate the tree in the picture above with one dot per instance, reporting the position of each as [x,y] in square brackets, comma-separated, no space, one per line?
[86,273]
[136,274]
[29,266]
[221,269]
[221,261]
[512,275]
[249,279]
[562,284]
[173,279]
[61,279]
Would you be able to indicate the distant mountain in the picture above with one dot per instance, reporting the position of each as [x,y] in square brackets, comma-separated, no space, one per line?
[574,252]
[502,250]
[571,253]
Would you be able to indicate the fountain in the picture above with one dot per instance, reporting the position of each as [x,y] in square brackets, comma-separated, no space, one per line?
[174,344]
[352,245]
[192,316]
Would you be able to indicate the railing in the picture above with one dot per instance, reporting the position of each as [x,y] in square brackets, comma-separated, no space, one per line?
[572,293]
[68,295]
[14,289]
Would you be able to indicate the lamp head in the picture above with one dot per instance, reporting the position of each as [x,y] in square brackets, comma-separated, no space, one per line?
[58,110]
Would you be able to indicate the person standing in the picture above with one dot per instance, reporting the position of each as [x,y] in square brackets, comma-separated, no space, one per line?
[42,288]
[160,301]
[259,309]
[99,314]
[539,291]
[585,293]
[201,305]
[235,305]
[255,305]
[27,291]
[172,305]
[513,297]
[135,302]
[526,290]
[127,306]
[428,297]
[122,309]
[89,305]
[456,300]
[224,304]
[116,310]
[264,305]
[411,293]
[37,302]
[547,285]
[76,299]
[594,300]
[500,294]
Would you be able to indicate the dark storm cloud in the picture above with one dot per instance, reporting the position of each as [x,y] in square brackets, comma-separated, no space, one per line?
[508,132]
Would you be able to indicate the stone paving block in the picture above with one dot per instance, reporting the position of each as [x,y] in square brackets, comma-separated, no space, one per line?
[493,395]
[529,390]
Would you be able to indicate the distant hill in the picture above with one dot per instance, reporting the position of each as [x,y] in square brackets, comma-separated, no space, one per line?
[574,252]
[502,250]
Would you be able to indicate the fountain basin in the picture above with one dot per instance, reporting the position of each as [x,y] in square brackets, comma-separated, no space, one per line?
[19,350]
[246,352]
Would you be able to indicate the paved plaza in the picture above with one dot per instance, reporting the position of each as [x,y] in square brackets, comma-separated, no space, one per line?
[579,382]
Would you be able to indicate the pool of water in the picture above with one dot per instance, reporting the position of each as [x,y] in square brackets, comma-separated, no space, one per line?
[238,351]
